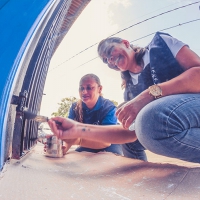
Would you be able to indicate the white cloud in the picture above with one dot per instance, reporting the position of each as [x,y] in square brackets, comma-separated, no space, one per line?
[124,3]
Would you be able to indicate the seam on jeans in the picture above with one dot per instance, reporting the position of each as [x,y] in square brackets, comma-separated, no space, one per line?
[167,121]
[185,144]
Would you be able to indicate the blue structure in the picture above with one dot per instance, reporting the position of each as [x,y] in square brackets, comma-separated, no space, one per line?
[30,32]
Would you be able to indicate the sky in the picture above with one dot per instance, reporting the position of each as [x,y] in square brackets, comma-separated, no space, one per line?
[128,19]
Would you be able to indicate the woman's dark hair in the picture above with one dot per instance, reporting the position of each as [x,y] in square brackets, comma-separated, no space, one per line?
[139,53]
[95,77]
[78,108]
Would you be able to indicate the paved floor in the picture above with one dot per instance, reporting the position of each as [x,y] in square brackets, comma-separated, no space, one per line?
[102,176]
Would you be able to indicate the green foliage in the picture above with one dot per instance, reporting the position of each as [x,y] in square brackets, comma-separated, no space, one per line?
[64,106]
[115,103]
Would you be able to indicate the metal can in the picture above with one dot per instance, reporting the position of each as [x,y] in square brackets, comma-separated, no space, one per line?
[54,147]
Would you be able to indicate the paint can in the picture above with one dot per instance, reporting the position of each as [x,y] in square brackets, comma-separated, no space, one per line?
[54,147]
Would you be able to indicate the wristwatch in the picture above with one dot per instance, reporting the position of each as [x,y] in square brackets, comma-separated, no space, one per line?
[155,91]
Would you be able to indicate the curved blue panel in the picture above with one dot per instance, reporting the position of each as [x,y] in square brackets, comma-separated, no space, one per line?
[18,22]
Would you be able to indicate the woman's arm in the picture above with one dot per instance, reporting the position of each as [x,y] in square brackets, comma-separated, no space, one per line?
[109,119]
[114,134]
[187,82]
[93,144]
[80,141]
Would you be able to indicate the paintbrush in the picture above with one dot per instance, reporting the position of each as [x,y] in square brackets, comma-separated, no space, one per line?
[38,118]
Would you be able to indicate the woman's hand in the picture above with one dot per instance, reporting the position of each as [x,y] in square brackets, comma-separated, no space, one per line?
[63,131]
[127,113]
[68,143]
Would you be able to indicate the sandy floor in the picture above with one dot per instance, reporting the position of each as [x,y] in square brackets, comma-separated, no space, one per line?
[162,159]
[102,176]
[154,158]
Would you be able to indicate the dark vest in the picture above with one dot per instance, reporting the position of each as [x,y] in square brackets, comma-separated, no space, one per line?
[162,67]
[97,116]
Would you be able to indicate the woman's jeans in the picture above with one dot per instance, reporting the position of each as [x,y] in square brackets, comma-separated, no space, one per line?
[134,150]
[114,148]
[170,126]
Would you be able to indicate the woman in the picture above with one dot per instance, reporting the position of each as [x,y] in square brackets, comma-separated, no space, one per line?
[92,108]
[133,149]
[166,97]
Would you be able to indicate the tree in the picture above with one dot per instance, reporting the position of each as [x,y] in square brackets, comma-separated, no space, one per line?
[65,105]
[115,102]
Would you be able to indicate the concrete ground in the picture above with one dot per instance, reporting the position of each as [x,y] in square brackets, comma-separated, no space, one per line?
[102,176]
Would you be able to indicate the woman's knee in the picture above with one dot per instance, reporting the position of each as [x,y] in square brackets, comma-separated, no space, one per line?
[166,117]
[150,123]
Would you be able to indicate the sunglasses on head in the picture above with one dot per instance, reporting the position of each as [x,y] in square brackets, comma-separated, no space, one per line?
[88,88]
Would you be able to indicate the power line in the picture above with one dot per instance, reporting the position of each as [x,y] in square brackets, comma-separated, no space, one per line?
[145,37]
[127,29]
[166,29]
[155,17]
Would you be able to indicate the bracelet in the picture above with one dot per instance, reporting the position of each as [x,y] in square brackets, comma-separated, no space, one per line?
[80,142]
